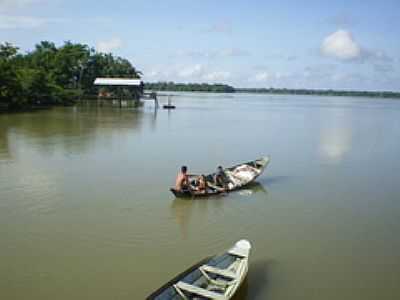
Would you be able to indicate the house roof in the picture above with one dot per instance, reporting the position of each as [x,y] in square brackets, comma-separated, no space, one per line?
[118,81]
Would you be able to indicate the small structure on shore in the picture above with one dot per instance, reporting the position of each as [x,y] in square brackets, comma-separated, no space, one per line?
[151,96]
[126,91]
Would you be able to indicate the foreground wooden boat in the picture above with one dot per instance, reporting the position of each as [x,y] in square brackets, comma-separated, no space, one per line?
[239,176]
[218,277]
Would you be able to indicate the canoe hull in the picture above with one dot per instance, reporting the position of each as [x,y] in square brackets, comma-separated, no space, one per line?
[258,166]
[233,262]
[156,294]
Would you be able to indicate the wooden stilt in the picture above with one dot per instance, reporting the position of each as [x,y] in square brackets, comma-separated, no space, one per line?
[156,100]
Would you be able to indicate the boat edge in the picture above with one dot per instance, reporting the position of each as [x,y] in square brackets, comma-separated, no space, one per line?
[178,277]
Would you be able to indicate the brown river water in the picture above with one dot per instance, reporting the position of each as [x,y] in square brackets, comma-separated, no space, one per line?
[85,211]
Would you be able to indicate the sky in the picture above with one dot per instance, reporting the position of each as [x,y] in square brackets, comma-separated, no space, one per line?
[350,45]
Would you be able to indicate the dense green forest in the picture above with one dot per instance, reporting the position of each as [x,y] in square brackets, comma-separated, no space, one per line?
[51,75]
[319,92]
[189,87]
[204,87]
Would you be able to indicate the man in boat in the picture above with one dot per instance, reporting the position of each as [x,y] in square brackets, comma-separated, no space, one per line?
[221,180]
[182,180]
[202,184]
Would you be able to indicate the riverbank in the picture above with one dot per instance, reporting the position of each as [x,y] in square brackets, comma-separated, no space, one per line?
[340,93]
[224,88]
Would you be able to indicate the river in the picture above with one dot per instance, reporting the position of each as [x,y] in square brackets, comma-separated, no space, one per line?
[85,211]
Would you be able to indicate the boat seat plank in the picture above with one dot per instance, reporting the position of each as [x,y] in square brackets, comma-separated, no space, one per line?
[218,271]
[199,291]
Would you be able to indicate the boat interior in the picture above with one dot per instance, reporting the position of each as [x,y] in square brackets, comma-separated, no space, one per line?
[213,280]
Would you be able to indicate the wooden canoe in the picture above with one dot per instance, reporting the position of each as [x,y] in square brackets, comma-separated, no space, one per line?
[217,277]
[238,176]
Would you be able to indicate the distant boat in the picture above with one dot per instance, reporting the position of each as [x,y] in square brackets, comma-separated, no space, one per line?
[169,105]
[217,277]
[238,176]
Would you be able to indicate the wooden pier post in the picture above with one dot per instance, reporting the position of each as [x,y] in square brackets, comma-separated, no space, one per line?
[120,98]
[156,100]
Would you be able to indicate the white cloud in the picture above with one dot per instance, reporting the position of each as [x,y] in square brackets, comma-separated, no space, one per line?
[11,18]
[9,21]
[7,5]
[276,79]
[191,71]
[110,45]
[212,54]
[261,76]
[152,74]
[186,73]
[217,76]
[341,45]
[21,22]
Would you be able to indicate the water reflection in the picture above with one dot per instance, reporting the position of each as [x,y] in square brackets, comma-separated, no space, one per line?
[243,291]
[5,150]
[275,179]
[258,279]
[183,209]
[336,135]
[154,119]
[335,143]
[252,188]
[72,130]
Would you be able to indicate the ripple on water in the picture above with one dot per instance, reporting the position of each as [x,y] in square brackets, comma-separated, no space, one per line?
[38,194]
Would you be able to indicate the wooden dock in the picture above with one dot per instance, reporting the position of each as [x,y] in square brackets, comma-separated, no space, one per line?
[150,96]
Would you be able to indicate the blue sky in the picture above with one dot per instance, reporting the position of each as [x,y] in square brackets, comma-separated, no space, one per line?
[293,44]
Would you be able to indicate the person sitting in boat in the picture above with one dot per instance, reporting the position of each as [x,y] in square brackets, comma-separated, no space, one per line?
[221,179]
[202,184]
[182,180]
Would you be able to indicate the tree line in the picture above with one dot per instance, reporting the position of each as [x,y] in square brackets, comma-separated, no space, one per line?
[223,88]
[189,87]
[51,75]
[283,91]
